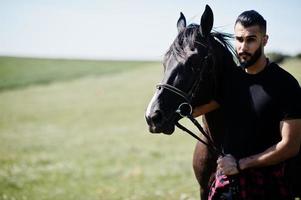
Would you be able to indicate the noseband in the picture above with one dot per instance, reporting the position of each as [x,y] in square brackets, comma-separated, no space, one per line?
[175,90]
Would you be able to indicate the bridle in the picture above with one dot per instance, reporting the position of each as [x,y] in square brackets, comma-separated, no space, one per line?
[192,92]
[185,110]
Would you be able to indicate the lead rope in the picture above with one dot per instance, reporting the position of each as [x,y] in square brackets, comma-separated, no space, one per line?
[233,187]
[210,144]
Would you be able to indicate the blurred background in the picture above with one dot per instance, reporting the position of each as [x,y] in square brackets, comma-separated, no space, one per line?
[75,80]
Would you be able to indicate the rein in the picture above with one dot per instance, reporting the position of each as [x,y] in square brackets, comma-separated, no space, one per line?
[210,144]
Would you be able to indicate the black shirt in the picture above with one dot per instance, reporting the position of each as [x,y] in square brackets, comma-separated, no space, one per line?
[254,105]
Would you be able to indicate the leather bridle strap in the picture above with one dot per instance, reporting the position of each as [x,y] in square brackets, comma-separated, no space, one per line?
[210,144]
[187,96]
[175,90]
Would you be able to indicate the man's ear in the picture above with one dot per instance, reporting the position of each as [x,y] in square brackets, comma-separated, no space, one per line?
[265,40]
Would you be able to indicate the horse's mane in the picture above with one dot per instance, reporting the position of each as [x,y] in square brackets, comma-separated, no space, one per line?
[191,37]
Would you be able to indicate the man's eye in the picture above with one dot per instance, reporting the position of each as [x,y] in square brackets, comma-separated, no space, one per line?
[251,40]
[239,39]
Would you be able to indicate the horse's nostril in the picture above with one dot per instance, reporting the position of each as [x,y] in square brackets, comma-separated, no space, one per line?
[156,117]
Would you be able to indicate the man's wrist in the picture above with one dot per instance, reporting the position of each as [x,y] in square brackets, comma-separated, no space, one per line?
[238,166]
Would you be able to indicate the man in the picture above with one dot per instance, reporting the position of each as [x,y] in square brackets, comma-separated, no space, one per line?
[262,106]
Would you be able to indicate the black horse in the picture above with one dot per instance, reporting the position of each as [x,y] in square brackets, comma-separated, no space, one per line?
[193,69]
[193,73]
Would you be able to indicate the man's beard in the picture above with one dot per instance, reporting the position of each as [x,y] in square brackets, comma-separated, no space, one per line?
[252,60]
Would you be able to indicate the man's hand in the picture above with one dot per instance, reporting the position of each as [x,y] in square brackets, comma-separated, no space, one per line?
[227,165]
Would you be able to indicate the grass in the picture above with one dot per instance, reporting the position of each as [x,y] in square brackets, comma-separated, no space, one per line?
[87,139]
[84,137]
[294,67]
[21,72]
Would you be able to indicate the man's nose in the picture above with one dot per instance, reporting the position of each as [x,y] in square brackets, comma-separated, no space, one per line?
[244,47]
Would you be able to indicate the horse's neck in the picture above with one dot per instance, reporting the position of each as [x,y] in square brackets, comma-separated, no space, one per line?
[215,119]
[215,125]
[225,62]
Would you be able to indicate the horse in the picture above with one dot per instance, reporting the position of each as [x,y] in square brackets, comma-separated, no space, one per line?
[194,67]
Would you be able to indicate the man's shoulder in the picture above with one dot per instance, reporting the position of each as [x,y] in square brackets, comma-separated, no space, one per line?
[281,75]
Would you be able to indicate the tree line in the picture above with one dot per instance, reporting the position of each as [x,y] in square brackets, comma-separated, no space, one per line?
[280,57]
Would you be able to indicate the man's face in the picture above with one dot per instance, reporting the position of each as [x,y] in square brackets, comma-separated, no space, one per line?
[249,43]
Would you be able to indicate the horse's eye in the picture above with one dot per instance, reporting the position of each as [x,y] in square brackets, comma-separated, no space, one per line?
[196,68]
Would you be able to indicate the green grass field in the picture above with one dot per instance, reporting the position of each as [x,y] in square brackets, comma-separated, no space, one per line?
[20,72]
[82,136]
[86,138]
[294,67]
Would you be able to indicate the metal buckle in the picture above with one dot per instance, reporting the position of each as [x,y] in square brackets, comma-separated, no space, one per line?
[184,109]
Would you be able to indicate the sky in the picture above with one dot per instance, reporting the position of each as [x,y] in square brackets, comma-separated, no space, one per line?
[129,29]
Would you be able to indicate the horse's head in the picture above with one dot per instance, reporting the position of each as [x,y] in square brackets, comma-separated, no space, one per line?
[188,75]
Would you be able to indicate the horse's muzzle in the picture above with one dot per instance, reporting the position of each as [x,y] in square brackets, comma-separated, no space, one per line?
[158,124]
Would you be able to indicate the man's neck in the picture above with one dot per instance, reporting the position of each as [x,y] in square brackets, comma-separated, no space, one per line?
[258,66]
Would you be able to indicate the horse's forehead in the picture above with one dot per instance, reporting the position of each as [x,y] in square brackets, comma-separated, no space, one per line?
[171,61]
[173,58]
[190,51]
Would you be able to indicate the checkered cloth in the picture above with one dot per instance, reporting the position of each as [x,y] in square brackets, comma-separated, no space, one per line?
[253,184]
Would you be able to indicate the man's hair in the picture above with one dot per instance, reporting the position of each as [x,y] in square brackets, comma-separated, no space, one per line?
[251,18]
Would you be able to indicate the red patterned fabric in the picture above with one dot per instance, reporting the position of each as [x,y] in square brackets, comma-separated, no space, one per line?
[254,184]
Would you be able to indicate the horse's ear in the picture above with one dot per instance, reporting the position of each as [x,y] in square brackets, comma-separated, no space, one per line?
[181,24]
[206,22]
